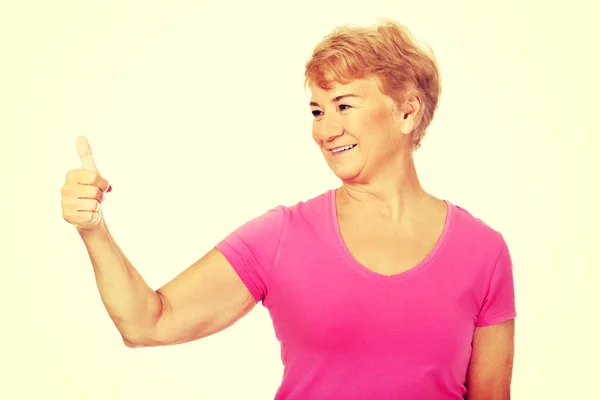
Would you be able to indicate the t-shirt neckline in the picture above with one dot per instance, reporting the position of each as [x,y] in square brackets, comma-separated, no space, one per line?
[357,266]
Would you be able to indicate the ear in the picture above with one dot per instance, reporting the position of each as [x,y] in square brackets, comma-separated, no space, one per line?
[409,113]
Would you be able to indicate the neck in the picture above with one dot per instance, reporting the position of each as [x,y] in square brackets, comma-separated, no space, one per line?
[389,194]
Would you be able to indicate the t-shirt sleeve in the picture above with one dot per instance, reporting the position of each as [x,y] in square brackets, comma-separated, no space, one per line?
[499,301]
[252,249]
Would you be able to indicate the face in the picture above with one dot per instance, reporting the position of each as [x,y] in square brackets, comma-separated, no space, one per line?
[358,128]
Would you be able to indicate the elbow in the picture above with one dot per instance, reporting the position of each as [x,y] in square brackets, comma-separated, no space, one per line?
[162,331]
[131,345]
[139,341]
[140,337]
[146,335]
[134,341]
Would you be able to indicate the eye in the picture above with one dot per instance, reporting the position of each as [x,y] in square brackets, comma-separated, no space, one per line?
[316,113]
[344,107]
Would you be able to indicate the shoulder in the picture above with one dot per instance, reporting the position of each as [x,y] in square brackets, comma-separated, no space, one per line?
[486,256]
[307,211]
[275,219]
[474,232]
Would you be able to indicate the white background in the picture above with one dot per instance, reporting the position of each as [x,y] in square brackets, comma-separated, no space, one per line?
[196,114]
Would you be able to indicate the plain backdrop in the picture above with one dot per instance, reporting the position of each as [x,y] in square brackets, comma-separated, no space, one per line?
[196,113]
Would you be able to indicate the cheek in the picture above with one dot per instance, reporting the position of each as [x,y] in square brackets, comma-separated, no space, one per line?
[315,135]
[382,116]
[380,120]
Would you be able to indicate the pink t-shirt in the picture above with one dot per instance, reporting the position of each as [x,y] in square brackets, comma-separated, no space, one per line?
[349,333]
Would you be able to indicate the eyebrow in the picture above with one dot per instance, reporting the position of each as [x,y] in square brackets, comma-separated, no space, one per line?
[335,99]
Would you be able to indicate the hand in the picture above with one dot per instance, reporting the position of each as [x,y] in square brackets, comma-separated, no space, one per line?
[83,191]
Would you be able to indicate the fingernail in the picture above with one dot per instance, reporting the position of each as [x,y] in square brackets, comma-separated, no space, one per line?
[109,189]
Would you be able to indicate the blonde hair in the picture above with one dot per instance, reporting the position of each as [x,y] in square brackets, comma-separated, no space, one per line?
[388,51]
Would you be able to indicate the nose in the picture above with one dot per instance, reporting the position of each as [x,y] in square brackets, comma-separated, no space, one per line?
[328,128]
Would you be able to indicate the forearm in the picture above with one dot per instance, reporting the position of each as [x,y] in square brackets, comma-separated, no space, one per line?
[132,305]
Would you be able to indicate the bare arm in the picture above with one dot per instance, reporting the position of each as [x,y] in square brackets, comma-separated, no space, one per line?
[202,300]
[490,370]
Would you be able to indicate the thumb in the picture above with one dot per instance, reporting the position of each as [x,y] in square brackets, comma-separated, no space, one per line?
[85,154]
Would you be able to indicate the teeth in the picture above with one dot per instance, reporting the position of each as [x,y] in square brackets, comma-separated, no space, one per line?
[342,148]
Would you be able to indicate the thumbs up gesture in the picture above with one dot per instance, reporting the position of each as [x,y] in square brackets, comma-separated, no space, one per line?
[83,191]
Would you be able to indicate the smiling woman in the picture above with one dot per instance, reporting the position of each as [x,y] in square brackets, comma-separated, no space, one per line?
[402,66]
[377,289]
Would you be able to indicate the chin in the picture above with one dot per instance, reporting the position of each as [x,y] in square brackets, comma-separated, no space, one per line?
[346,173]
[346,169]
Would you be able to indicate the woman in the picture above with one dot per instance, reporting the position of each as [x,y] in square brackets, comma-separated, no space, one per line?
[376,289]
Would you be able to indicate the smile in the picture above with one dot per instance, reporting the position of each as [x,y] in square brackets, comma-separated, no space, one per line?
[342,149]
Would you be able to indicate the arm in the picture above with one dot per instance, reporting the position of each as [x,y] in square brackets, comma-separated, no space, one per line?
[204,299]
[489,374]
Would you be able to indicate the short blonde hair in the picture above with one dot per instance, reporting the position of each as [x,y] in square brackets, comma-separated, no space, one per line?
[388,51]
